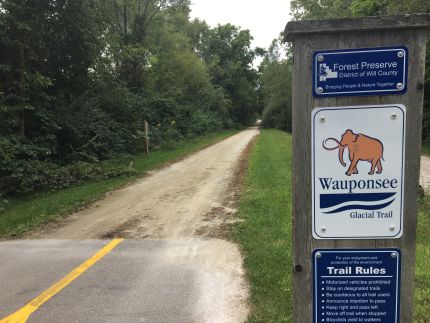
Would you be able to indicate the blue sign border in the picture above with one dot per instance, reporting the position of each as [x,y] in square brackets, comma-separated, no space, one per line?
[315,276]
[359,93]
[313,170]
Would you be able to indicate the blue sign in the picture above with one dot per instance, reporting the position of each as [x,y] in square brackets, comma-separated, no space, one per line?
[356,285]
[366,71]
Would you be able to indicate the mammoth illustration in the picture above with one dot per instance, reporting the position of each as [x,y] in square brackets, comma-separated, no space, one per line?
[361,148]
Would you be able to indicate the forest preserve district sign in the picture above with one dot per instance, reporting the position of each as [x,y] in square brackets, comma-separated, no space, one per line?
[358,157]
[366,71]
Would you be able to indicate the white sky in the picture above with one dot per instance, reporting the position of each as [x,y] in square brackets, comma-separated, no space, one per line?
[264,18]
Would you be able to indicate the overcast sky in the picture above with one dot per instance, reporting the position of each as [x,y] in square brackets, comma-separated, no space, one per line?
[264,18]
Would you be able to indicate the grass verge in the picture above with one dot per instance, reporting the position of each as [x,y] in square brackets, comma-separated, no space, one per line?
[422,274]
[425,148]
[22,215]
[265,234]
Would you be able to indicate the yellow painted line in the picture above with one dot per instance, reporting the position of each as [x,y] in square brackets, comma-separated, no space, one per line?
[24,313]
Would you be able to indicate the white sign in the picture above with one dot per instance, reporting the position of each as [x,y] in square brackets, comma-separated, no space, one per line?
[358,157]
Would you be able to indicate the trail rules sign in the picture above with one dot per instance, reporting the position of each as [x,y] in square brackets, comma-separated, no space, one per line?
[356,285]
[358,157]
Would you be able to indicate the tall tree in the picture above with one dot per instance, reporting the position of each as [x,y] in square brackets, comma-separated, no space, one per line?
[227,51]
[276,87]
[23,87]
[131,22]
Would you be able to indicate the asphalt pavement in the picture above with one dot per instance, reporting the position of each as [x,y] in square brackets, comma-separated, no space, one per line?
[138,281]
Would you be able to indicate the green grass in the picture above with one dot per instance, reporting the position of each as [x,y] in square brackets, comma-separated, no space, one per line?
[425,148]
[25,214]
[265,234]
[422,275]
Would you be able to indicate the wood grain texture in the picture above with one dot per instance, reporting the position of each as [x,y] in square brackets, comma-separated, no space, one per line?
[303,103]
[414,21]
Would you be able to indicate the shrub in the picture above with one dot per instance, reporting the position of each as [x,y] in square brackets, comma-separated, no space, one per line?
[26,168]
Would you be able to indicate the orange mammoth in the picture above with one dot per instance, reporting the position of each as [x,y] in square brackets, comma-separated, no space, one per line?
[361,148]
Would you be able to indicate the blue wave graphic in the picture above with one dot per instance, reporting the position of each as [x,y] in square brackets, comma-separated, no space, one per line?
[330,200]
[360,207]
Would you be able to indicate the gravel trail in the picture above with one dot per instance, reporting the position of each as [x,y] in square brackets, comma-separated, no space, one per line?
[174,220]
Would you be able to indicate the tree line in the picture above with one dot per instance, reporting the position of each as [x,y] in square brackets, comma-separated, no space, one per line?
[79,78]
[275,92]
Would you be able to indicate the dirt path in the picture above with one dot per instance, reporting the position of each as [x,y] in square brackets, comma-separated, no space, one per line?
[425,173]
[172,203]
[175,217]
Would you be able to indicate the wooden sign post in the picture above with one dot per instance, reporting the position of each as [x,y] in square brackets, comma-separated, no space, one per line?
[313,43]
[146,137]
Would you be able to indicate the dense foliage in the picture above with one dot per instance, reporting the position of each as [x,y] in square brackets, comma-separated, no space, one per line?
[275,89]
[79,78]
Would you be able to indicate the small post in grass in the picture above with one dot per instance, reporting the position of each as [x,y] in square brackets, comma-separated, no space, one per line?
[146,137]
[358,88]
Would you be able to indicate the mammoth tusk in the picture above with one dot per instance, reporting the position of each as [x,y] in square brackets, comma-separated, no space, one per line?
[324,144]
